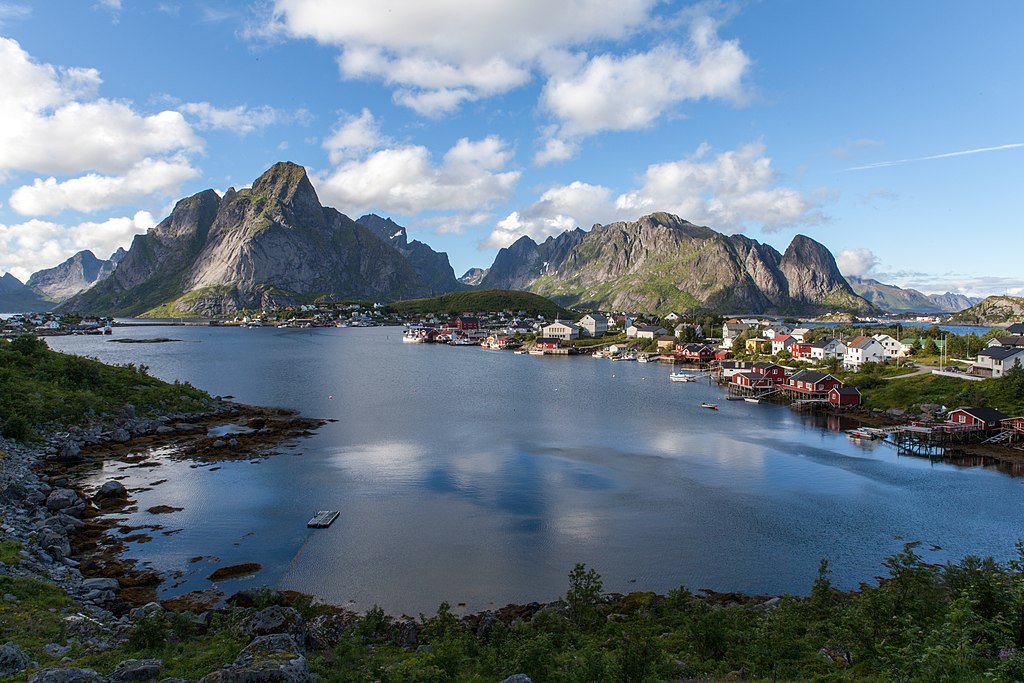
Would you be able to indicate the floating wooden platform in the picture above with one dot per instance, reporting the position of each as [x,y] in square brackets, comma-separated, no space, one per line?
[323,519]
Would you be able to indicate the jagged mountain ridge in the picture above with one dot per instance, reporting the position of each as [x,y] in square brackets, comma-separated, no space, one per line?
[17,297]
[431,266]
[898,300]
[993,310]
[473,276]
[662,263]
[271,245]
[78,273]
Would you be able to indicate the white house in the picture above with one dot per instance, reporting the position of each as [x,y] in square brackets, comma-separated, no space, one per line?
[893,349]
[776,330]
[782,342]
[999,359]
[646,332]
[827,348]
[560,330]
[731,329]
[863,350]
[594,324]
[672,317]
[799,333]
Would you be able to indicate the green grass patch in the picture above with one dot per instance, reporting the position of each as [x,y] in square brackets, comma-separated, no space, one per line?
[10,552]
[483,301]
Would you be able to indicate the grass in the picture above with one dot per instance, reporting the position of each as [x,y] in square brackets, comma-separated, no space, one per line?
[1005,394]
[10,552]
[39,386]
[483,301]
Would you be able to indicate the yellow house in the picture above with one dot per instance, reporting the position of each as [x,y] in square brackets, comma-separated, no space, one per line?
[759,345]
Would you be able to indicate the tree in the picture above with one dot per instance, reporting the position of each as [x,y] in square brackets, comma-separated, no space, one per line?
[584,595]
[930,348]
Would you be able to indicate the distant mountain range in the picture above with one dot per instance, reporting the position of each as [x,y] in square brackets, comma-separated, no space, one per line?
[274,244]
[661,263]
[893,299]
[993,310]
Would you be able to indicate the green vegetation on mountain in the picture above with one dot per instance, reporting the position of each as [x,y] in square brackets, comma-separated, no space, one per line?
[40,386]
[480,301]
[994,310]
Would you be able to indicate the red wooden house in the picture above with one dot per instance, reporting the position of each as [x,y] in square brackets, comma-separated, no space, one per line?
[753,380]
[811,382]
[800,350]
[695,352]
[844,396]
[979,418]
[773,371]
[467,322]
[547,343]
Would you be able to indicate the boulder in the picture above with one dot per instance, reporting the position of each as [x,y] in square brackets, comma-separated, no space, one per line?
[273,620]
[326,631]
[136,670]
[70,675]
[267,659]
[101,584]
[12,660]
[164,430]
[60,499]
[70,453]
[112,490]
[54,542]
[120,435]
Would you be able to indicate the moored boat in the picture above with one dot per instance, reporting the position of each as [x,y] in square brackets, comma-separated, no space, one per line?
[681,377]
[709,406]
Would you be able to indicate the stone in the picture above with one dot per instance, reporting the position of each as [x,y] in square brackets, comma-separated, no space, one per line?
[60,499]
[54,542]
[149,609]
[101,584]
[112,490]
[187,427]
[274,620]
[164,430]
[56,649]
[70,453]
[136,670]
[12,660]
[325,631]
[120,435]
[839,654]
[267,659]
[71,675]
[772,603]
[517,678]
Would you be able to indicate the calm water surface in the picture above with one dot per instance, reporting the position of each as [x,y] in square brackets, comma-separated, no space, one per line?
[481,477]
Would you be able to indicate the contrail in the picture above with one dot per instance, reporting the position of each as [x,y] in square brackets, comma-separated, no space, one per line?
[965,152]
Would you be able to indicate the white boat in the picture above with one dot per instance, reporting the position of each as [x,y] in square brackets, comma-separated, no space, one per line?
[642,359]
[710,406]
[519,352]
[598,354]
[752,400]
[536,352]
[681,377]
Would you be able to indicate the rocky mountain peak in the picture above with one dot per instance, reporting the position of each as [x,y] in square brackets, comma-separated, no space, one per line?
[386,229]
[286,182]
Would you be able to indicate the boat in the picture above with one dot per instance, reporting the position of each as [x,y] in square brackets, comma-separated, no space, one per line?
[598,354]
[519,352]
[536,352]
[752,400]
[681,377]
[323,519]
[642,359]
[863,433]
[709,406]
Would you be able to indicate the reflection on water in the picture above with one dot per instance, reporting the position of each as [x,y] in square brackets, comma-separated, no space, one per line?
[483,477]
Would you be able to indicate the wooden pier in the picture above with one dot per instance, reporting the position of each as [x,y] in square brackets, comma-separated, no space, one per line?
[323,519]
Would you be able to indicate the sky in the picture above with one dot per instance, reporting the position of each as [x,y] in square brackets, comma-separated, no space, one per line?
[893,133]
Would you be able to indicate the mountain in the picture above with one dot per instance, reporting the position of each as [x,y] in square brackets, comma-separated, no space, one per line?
[897,300]
[473,276]
[16,297]
[271,245]
[431,266]
[993,310]
[78,273]
[663,263]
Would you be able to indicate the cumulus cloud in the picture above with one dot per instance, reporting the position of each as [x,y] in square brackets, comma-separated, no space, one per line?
[440,54]
[91,192]
[405,180]
[51,121]
[241,119]
[353,136]
[555,150]
[856,262]
[608,92]
[730,191]
[36,244]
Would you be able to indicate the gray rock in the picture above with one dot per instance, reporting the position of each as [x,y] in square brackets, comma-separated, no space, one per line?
[149,609]
[187,427]
[56,649]
[112,490]
[219,443]
[517,678]
[267,659]
[274,620]
[12,660]
[772,603]
[839,654]
[164,430]
[54,542]
[120,435]
[930,408]
[136,670]
[60,499]
[326,631]
[72,675]
[70,452]
[101,584]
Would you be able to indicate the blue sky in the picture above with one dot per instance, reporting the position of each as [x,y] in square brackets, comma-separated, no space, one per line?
[890,132]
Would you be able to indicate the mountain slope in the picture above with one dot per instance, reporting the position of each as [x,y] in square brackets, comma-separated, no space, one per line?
[432,267]
[78,273]
[897,300]
[662,263]
[16,297]
[268,246]
[993,310]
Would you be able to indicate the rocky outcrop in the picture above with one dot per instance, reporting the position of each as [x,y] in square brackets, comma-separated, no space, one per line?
[994,310]
[267,659]
[431,266]
[473,276]
[16,297]
[77,274]
[663,263]
[267,246]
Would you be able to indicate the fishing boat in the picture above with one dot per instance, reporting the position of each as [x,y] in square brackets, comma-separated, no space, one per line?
[643,359]
[681,377]
[863,433]
[752,400]
[519,352]
[709,406]
[598,354]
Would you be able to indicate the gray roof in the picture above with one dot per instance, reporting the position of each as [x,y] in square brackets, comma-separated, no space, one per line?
[1000,352]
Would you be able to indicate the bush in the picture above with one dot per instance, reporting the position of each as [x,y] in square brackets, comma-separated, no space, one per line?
[17,427]
[584,595]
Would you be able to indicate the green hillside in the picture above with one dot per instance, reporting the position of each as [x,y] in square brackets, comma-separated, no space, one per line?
[482,301]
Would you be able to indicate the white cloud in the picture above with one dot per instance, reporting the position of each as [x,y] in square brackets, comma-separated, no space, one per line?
[91,192]
[353,136]
[35,244]
[404,180]
[241,119]
[555,150]
[441,53]
[560,208]
[52,122]
[728,192]
[629,92]
[856,262]
[9,11]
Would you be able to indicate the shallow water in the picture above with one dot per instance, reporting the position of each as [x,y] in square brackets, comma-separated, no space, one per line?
[481,477]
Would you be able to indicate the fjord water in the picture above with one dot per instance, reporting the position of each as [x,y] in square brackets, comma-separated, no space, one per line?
[481,477]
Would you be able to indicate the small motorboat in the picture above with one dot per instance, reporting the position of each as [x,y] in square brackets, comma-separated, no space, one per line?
[709,406]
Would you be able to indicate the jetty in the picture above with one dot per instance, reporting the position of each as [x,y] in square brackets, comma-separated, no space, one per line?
[323,519]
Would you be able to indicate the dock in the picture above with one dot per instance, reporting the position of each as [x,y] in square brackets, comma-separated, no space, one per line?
[323,519]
